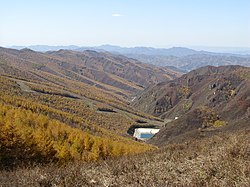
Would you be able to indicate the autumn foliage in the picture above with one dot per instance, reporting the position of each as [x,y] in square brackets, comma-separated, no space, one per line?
[27,135]
[44,128]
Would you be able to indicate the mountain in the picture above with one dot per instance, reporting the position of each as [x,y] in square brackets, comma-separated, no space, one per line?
[232,50]
[200,103]
[44,48]
[66,105]
[182,58]
[174,51]
[65,120]
[191,62]
[150,51]
[113,73]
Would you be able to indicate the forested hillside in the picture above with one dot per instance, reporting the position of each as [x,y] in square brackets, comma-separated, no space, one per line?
[50,117]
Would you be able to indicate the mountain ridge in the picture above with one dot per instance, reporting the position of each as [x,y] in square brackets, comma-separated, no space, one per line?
[172,51]
[200,103]
[94,68]
[182,58]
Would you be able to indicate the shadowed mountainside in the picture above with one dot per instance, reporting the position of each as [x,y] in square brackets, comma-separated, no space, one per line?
[203,102]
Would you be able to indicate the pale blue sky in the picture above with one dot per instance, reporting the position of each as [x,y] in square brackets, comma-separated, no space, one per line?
[156,23]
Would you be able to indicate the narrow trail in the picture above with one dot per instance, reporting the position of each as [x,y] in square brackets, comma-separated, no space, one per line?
[24,87]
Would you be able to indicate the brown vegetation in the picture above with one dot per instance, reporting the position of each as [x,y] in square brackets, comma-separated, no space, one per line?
[205,101]
[59,110]
[222,160]
[41,124]
[116,74]
[31,137]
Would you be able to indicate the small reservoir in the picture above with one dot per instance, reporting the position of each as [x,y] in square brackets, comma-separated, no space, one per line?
[145,133]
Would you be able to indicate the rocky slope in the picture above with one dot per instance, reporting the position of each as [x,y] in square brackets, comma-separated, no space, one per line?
[202,102]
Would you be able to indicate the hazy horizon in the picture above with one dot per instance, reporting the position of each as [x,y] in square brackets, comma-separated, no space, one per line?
[158,24]
[216,49]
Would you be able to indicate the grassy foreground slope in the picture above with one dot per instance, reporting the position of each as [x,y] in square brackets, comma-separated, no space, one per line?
[221,160]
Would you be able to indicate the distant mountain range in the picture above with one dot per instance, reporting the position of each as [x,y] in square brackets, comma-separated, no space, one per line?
[109,72]
[173,51]
[44,48]
[184,59]
[194,61]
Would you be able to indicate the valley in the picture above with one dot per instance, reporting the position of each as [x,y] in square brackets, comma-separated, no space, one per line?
[124,93]
[63,107]
[201,103]
[37,84]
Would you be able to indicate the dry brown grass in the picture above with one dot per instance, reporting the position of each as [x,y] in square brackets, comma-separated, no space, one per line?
[222,160]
